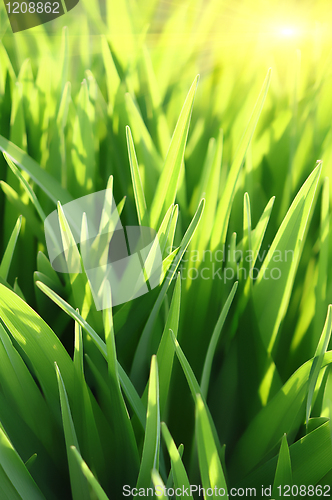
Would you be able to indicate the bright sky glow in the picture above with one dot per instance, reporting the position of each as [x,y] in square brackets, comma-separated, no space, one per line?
[287,31]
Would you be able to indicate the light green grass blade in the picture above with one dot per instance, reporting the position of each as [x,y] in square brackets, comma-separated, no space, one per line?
[224,208]
[8,255]
[44,266]
[18,133]
[159,485]
[283,476]
[127,448]
[75,315]
[20,388]
[82,152]
[247,245]
[112,77]
[318,359]
[81,291]
[194,386]
[170,481]
[78,484]
[154,99]
[289,239]
[31,461]
[47,183]
[139,357]
[126,384]
[39,343]
[18,290]
[310,458]
[210,467]
[283,413]
[132,396]
[125,457]
[214,341]
[321,286]
[171,170]
[98,490]
[26,211]
[258,233]
[83,407]
[151,446]
[178,470]
[26,186]
[211,196]
[172,228]
[165,353]
[146,149]
[163,232]
[16,472]
[136,180]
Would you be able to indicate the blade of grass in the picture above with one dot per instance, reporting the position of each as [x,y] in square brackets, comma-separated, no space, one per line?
[224,208]
[7,258]
[209,463]
[205,381]
[151,446]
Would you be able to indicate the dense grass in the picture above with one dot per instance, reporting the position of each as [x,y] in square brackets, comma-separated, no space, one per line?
[231,353]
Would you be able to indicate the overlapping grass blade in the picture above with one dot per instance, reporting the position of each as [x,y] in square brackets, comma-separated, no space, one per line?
[7,258]
[16,481]
[171,170]
[99,492]
[214,341]
[78,484]
[209,463]
[151,446]
[142,345]
[283,413]
[283,476]
[178,470]
[289,239]
[318,359]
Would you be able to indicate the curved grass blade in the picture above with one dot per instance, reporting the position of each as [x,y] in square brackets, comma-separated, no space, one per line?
[8,255]
[318,359]
[140,354]
[159,486]
[178,470]
[39,343]
[171,170]
[151,446]
[14,470]
[46,182]
[25,210]
[98,490]
[321,286]
[136,180]
[209,463]
[194,387]
[78,483]
[283,413]
[289,239]
[126,384]
[214,341]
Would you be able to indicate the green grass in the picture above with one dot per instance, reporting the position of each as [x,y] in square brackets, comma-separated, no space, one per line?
[204,380]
